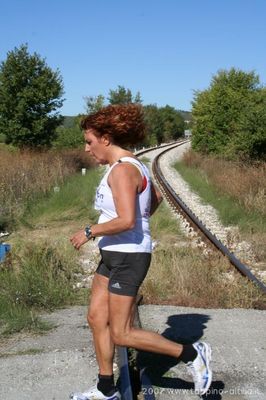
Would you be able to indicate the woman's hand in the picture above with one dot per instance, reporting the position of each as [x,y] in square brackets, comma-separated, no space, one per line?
[78,239]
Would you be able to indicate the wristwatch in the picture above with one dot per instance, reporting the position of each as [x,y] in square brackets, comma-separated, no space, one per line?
[88,233]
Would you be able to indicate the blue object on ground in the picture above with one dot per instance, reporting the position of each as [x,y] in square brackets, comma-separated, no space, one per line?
[4,248]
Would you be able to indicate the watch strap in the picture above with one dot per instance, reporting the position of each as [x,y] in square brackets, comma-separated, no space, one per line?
[87,232]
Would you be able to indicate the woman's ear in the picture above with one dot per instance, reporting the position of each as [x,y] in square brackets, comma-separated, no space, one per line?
[106,139]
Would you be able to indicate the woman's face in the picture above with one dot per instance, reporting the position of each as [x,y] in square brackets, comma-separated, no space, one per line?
[95,146]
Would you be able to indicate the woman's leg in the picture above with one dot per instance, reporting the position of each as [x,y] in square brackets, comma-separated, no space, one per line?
[124,334]
[98,319]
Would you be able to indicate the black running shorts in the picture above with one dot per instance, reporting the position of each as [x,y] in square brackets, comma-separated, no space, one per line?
[126,271]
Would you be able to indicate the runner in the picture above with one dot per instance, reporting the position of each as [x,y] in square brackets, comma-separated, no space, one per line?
[126,198]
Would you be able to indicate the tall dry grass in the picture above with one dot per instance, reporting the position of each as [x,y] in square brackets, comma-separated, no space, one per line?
[186,277]
[27,174]
[244,182]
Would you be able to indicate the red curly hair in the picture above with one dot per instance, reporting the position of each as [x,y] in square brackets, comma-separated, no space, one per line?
[124,123]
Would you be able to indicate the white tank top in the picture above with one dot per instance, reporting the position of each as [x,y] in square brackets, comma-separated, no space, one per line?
[137,239]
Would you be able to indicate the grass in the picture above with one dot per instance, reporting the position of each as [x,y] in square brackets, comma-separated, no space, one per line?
[38,277]
[16,318]
[187,277]
[71,201]
[236,191]
[144,159]
[183,275]
[27,176]
[163,224]
[230,211]
[40,273]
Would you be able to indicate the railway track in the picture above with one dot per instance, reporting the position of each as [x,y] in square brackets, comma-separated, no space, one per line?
[207,236]
[131,385]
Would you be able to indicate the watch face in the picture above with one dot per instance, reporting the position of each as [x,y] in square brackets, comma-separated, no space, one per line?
[87,232]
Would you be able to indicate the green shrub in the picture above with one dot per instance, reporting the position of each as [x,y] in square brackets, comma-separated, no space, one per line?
[2,138]
[229,118]
[69,138]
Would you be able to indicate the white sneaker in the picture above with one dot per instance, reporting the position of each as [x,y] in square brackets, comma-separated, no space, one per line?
[94,394]
[200,368]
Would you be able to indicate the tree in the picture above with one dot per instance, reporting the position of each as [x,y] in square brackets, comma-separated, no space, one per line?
[154,125]
[30,94]
[229,118]
[69,136]
[250,140]
[173,123]
[163,124]
[94,103]
[123,96]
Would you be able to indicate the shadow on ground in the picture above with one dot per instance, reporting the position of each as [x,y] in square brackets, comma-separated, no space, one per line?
[184,329]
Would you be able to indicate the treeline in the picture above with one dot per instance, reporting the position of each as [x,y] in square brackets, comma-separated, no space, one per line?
[31,94]
[163,123]
[229,118]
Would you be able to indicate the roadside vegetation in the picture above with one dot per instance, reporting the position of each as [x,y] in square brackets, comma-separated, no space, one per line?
[44,198]
[71,201]
[28,176]
[235,189]
[229,117]
[182,274]
[38,277]
[186,276]
[40,272]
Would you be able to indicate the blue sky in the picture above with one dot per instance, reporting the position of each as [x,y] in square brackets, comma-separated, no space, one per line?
[165,49]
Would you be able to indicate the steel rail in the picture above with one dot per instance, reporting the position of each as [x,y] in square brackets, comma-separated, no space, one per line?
[143,151]
[178,203]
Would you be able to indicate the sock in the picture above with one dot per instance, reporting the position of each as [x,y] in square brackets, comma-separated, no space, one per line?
[189,353]
[106,384]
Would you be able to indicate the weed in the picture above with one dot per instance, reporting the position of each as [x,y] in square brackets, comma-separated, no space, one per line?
[72,201]
[243,182]
[162,223]
[186,277]
[40,277]
[26,175]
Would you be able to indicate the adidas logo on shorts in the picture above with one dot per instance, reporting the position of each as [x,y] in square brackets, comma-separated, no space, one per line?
[116,285]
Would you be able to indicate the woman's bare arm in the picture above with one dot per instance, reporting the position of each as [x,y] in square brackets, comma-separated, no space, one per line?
[124,182]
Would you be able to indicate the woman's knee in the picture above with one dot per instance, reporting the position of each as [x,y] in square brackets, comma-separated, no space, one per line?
[95,320]
[90,319]
[119,337]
